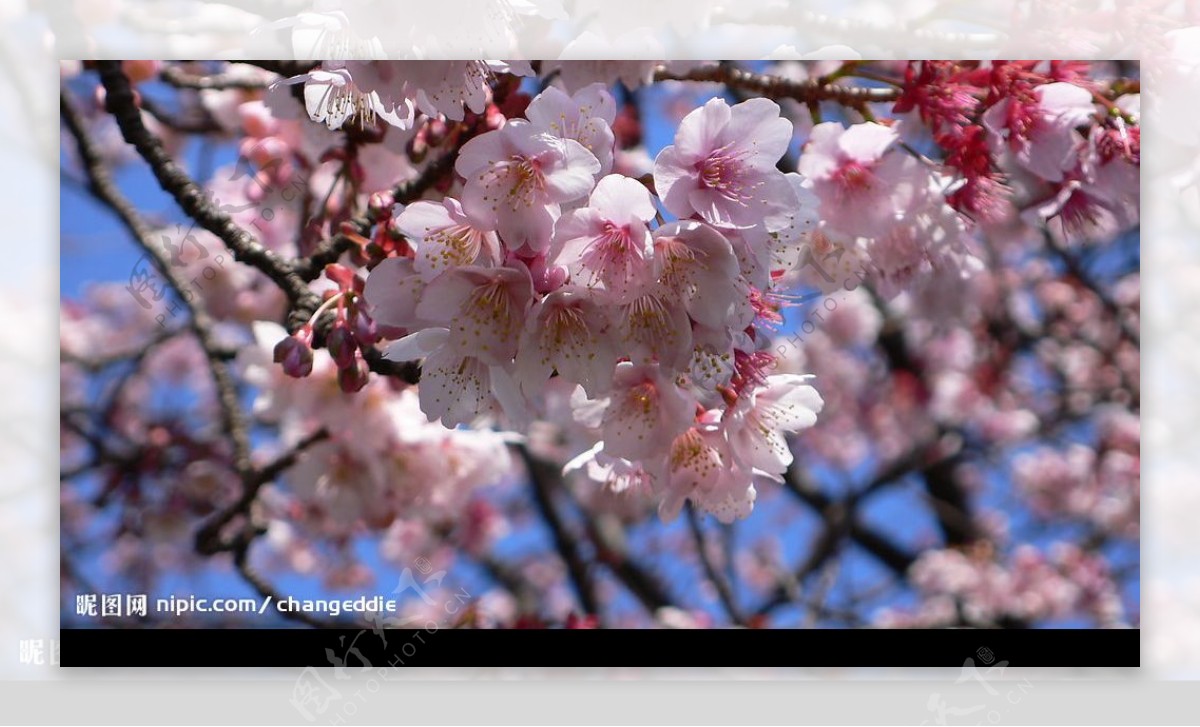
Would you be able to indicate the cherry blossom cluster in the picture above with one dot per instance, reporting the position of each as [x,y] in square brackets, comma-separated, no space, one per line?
[1031,585]
[381,458]
[552,266]
[1043,131]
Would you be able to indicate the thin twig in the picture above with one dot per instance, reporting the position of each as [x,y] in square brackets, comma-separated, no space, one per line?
[724,592]
[241,561]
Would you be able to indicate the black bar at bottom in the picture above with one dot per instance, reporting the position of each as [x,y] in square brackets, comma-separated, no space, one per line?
[357,648]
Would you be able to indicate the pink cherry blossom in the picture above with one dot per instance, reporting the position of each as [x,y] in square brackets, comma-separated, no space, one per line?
[516,178]
[586,116]
[758,421]
[394,90]
[446,87]
[446,238]
[568,332]
[646,410]
[777,245]
[394,289]
[653,325]
[1042,137]
[701,468]
[484,308]
[607,242]
[695,264]
[722,164]
[364,90]
[864,183]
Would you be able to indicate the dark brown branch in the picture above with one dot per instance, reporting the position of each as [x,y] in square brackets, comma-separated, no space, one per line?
[208,537]
[122,104]
[884,550]
[616,557]
[329,250]
[406,371]
[840,524]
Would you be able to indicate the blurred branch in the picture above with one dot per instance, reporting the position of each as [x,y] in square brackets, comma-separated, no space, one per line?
[613,552]
[775,87]
[241,562]
[179,78]
[948,496]
[724,592]
[208,537]
[841,520]
[203,125]
[644,586]
[233,423]
[281,463]
[99,363]
[543,475]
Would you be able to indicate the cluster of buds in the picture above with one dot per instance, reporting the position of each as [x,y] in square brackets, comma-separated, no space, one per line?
[352,332]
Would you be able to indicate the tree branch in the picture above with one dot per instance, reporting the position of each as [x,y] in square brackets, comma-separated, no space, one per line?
[774,87]
[179,78]
[541,474]
[123,105]
[724,592]
[101,185]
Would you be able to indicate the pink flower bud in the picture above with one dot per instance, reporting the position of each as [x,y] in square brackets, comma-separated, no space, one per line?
[546,278]
[381,204]
[353,377]
[340,274]
[295,355]
[341,345]
[364,327]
